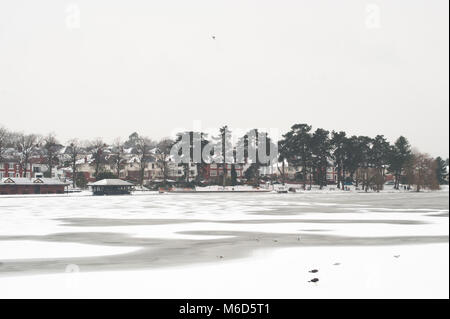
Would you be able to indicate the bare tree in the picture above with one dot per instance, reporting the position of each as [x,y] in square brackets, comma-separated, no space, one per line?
[163,156]
[4,139]
[74,150]
[143,147]
[421,172]
[225,138]
[97,148]
[26,145]
[118,155]
[51,147]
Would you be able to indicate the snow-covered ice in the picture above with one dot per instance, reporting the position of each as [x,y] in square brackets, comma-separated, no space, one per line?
[385,245]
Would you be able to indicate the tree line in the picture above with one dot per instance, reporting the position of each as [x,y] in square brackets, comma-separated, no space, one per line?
[361,160]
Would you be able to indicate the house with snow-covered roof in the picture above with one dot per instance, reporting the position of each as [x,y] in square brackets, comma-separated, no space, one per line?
[12,185]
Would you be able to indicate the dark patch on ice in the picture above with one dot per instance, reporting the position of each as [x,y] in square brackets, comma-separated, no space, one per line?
[158,252]
[445,214]
[105,222]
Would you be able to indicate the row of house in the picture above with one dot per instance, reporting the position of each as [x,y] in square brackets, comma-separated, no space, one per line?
[131,170]
[37,167]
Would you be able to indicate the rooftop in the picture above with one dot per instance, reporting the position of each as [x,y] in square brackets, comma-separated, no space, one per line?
[111,182]
[30,181]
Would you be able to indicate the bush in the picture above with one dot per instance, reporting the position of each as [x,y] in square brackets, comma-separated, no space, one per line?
[81,180]
[105,175]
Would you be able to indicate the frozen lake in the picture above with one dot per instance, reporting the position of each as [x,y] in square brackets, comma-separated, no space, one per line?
[226,245]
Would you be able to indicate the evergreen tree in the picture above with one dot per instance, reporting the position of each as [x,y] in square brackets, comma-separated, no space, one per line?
[364,145]
[399,155]
[379,158]
[132,141]
[441,170]
[338,141]
[233,175]
[254,139]
[50,149]
[225,137]
[298,148]
[352,157]
[321,152]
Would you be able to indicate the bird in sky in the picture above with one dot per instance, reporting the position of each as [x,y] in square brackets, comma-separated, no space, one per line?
[213,37]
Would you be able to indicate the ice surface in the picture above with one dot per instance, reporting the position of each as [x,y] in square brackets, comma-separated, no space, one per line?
[34,249]
[226,245]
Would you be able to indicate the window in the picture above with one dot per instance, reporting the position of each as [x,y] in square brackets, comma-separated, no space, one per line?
[1,165]
[213,173]
[11,166]
[238,173]
[36,169]
[10,174]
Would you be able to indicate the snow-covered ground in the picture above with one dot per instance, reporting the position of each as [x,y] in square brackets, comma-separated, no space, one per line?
[262,245]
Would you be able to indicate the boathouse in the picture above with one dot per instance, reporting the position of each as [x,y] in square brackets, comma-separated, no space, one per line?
[111,187]
[11,185]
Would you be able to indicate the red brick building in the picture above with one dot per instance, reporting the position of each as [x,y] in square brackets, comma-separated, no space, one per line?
[12,168]
[10,186]
[213,171]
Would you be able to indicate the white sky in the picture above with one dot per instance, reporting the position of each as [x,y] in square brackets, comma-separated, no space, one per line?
[152,66]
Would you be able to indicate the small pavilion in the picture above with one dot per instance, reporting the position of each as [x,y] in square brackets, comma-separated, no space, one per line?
[111,187]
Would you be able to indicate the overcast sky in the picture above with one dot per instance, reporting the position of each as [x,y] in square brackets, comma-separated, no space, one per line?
[107,68]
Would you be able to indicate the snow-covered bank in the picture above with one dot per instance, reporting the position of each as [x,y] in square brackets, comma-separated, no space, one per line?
[343,272]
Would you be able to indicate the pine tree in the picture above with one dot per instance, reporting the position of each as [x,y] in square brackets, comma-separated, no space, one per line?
[364,145]
[338,140]
[379,157]
[321,152]
[399,155]
[441,170]
[297,144]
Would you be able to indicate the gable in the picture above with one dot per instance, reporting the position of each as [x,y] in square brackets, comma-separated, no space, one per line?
[38,181]
[8,181]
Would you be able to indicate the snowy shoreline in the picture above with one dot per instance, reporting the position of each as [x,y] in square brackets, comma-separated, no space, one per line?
[238,190]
